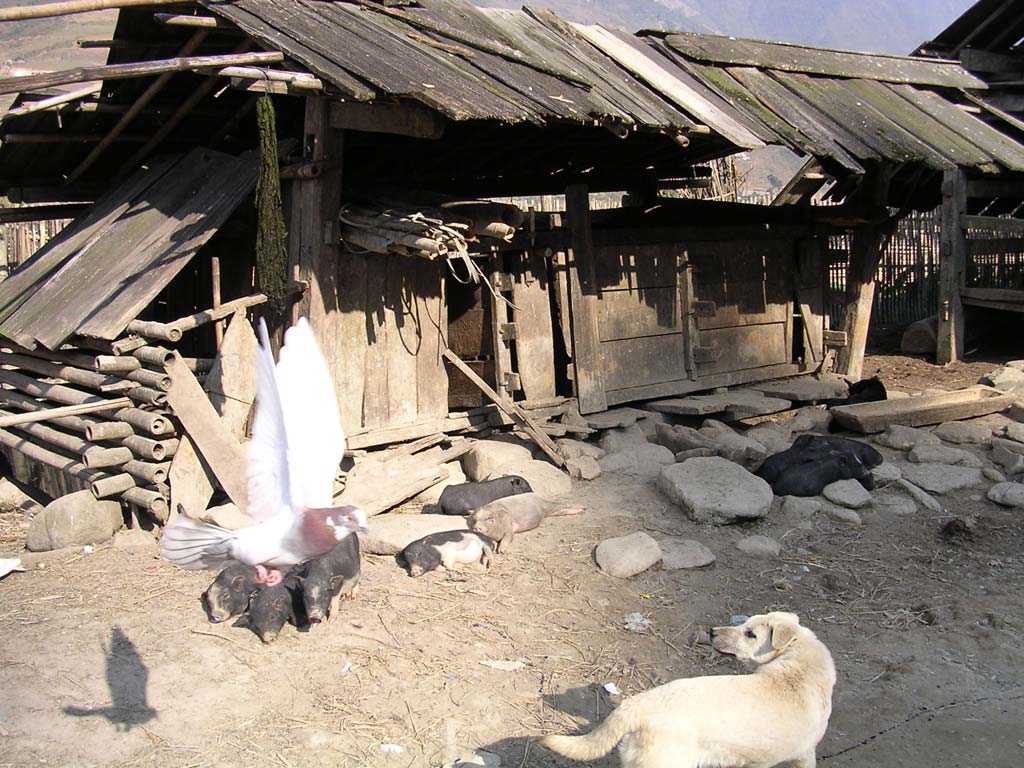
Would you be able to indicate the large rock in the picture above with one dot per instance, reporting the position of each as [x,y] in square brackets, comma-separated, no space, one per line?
[886,472]
[798,508]
[678,438]
[696,453]
[904,438]
[716,490]
[433,494]
[1006,379]
[649,423]
[74,520]
[773,437]
[810,418]
[895,504]
[847,493]
[626,556]
[615,440]
[920,337]
[583,468]
[1014,432]
[1007,494]
[842,515]
[941,478]
[640,460]
[544,478]
[919,495]
[685,554]
[1011,461]
[943,454]
[614,418]
[963,432]
[493,458]
[390,534]
[573,449]
[759,546]
[732,446]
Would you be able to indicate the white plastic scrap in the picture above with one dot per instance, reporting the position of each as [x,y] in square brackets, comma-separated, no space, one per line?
[347,667]
[392,749]
[637,622]
[612,689]
[87,549]
[8,564]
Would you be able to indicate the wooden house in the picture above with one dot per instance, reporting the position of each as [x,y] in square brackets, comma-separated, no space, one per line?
[391,116]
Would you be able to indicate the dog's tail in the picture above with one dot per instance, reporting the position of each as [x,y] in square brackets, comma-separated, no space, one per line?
[598,742]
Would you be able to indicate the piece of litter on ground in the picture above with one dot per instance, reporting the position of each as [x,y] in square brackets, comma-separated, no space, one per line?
[612,689]
[392,749]
[504,666]
[637,622]
[738,618]
[8,564]
[347,667]
[87,549]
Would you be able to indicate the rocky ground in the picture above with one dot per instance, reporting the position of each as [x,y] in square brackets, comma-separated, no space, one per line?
[107,657]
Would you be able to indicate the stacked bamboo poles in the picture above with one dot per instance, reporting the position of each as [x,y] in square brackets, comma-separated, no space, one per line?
[444,230]
[117,437]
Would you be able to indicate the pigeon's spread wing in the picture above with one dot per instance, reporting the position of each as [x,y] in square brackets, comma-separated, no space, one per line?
[267,472]
[315,440]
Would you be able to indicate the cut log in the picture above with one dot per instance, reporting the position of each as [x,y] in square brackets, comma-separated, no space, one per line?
[155,450]
[153,423]
[152,501]
[96,457]
[147,472]
[50,414]
[50,458]
[918,411]
[111,485]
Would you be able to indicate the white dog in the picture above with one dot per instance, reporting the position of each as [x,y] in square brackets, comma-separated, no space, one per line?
[778,714]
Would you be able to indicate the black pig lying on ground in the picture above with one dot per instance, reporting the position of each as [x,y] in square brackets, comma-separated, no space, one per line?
[464,498]
[815,461]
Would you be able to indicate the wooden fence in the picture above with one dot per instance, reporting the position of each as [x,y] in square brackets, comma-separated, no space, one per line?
[21,240]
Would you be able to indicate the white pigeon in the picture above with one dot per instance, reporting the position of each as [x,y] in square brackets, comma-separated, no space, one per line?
[296,448]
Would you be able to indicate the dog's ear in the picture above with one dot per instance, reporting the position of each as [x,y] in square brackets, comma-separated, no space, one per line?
[784,628]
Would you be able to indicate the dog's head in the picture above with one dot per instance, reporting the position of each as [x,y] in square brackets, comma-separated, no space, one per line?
[759,639]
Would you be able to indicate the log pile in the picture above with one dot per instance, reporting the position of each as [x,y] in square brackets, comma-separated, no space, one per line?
[100,418]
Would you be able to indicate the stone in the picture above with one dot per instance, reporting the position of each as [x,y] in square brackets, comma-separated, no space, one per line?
[678,438]
[433,494]
[759,546]
[649,423]
[847,493]
[226,516]
[1014,432]
[640,460]
[904,438]
[920,338]
[544,478]
[715,490]
[685,554]
[1011,461]
[615,440]
[886,472]
[842,515]
[895,503]
[1007,494]
[942,454]
[389,534]
[12,497]
[490,458]
[963,432]
[941,478]
[810,418]
[137,541]
[922,497]
[583,468]
[74,520]
[1005,379]
[773,437]
[614,418]
[626,556]
[732,446]
[994,475]
[1009,444]
[799,507]
[573,449]
[696,453]
[805,388]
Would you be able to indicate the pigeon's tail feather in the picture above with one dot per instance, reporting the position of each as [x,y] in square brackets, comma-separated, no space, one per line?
[190,543]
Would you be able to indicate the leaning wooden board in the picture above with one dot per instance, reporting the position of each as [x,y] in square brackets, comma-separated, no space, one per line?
[918,411]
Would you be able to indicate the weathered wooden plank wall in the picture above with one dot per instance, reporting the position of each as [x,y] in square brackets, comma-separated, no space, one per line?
[20,240]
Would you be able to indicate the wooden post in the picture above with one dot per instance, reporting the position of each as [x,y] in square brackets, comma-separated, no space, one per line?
[218,326]
[587,360]
[952,268]
[865,253]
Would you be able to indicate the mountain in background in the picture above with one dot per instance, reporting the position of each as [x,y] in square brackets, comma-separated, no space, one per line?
[878,26]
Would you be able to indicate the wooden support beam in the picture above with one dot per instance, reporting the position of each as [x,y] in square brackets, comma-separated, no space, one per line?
[402,119]
[865,253]
[41,212]
[137,106]
[587,358]
[69,7]
[513,411]
[17,84]
[173,331]
[952,267]
[50,103]
[202,22]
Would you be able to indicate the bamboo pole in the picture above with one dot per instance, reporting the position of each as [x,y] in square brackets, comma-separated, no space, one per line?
[51,436]
[43,455]
[154,423]
[147,448]
[146,471]
[14,398]
[15,84]
[148,396]
[152,501]
[153,355]
[111,485]
[108,430]
[97,456]
[69,7]
[172,331]
[68,373]
[53,101]
[153,330]
[203,22]
[151,379]
[43,413]
[116,363]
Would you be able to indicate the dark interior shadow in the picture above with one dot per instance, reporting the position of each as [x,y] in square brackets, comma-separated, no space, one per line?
[127,677]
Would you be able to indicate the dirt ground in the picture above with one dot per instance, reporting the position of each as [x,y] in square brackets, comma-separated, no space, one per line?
[107,658]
